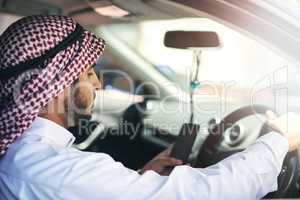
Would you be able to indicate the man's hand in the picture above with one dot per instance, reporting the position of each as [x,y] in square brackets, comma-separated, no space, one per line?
[289,125]
[162,163]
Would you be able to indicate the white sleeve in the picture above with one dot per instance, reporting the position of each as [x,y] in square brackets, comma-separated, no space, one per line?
[246,175]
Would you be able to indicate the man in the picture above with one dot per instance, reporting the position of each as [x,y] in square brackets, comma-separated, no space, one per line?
[47,81]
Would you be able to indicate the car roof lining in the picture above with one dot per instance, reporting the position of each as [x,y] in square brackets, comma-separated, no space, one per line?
[83,11]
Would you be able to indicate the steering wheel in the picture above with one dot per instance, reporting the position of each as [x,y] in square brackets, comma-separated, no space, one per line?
[210,154]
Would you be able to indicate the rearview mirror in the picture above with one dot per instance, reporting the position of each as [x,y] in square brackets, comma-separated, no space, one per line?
[191,39]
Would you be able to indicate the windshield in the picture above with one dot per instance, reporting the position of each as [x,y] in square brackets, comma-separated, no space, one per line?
[238,59]
[240,63]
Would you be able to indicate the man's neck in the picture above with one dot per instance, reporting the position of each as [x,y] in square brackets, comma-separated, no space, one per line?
[60,120]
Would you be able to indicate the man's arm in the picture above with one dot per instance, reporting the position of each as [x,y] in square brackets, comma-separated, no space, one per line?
[250,174]
[246,175]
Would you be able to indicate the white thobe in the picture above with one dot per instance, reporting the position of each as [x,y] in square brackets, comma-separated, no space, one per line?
[43,165]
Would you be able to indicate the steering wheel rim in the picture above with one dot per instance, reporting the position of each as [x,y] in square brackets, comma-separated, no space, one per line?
[288,175]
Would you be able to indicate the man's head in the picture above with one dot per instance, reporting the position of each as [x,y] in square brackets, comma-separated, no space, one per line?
[44,61]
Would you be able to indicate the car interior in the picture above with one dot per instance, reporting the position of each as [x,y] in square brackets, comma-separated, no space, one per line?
[209,68]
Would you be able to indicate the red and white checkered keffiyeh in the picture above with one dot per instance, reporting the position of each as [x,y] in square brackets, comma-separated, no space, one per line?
[22,96]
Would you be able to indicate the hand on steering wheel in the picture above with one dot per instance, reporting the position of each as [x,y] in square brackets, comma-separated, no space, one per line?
[288,126]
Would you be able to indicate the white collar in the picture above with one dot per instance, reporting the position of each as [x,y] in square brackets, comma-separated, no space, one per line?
[50,130]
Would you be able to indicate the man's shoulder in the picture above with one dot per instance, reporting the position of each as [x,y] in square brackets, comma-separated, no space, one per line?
[36,162]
